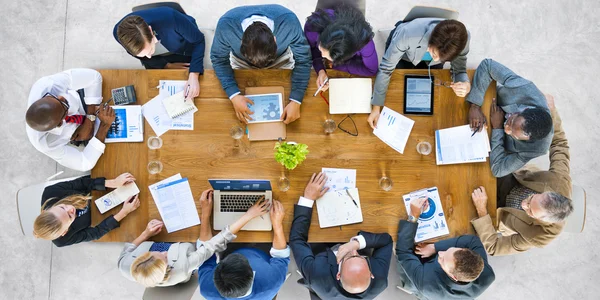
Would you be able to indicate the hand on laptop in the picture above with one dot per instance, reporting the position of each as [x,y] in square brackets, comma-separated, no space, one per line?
[259,208]
[277,213]
[206,203]
[314,189]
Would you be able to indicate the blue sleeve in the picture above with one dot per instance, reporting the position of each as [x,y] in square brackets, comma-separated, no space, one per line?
[302,57]
[205,271]
[279,268]
[189,31]
[487,71]
[219,56]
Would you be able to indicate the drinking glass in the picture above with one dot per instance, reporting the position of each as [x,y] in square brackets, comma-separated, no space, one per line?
[155,167]
[329,126]
[154,142]
[283,184]
[236,132]
[385,183]
[424,148]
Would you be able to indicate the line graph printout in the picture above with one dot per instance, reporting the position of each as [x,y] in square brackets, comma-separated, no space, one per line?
[337,208]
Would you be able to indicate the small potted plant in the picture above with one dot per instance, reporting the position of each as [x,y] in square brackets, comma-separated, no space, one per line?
[289,155]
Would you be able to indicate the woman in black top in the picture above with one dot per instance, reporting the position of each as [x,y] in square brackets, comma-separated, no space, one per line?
[66,216]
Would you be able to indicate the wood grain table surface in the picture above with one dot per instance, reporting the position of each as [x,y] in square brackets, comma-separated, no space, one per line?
[209,152]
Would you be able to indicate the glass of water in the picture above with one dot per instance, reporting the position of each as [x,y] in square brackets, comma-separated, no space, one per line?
[237,132]
[385,183]
[329,126]
[155,167]
[424,148]
[154,142]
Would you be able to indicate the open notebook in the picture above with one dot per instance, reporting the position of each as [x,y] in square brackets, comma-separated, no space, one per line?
[337,208]
[350,95]
[116,197]
[177,106]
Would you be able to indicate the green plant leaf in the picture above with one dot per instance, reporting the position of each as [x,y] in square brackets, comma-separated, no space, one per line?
[289,155]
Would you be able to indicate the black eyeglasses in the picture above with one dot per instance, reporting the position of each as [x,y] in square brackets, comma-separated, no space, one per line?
[64,104]
[438,82]
[348,117]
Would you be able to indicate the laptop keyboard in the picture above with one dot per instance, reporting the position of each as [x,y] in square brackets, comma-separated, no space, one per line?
[238,203]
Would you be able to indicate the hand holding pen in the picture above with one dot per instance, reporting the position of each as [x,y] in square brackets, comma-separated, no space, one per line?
[322,82]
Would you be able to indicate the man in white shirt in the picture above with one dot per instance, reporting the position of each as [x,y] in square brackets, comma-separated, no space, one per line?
[57,116]
[339,272]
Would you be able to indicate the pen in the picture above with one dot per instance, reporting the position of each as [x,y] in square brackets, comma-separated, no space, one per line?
[321,87]
[103,106]
[477,129]
[187,90]
[352,198]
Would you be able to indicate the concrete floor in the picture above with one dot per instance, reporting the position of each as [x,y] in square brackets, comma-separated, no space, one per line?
[553,43]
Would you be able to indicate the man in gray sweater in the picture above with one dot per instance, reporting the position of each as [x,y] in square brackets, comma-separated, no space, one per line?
[521,121]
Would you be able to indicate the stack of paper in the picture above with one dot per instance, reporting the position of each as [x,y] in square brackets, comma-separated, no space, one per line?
[156,114]
[393,129]
[432,221]
[458,145]
[128,125]
[175,203]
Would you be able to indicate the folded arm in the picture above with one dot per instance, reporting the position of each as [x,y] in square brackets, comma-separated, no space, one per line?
[487,71]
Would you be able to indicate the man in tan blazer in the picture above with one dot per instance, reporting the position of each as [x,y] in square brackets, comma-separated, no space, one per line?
[532,204]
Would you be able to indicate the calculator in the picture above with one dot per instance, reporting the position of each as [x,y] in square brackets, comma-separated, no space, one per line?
[123,95]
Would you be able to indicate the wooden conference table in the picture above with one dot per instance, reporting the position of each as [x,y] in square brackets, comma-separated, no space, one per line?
[208,152]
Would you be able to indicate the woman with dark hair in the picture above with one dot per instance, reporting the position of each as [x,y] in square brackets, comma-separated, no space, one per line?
[341,36]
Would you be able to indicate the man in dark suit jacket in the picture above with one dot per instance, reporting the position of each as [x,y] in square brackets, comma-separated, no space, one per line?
[338,273]
[164,38]
[455,268]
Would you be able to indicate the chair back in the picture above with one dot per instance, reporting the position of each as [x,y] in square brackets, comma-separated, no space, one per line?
[361,5]
[173,5]
[182,291]
[430,12]
[576,221]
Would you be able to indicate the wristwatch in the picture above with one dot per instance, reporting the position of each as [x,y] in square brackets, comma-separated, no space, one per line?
[412,219]
[91,117]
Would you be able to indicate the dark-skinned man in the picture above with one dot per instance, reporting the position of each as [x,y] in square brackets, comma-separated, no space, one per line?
[61,115]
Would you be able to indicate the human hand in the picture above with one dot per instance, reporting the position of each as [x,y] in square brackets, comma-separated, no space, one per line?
[240,105]
[314,188]
[476,117]
[321,79]
[461,89]
[374,116]
[193,87]
[480,198]
[291,112]
[131,204]
[346,248]
[121,180]
[259,208]
[418,205]
[106,114]
[496,115]
[153,228]
[550,101]
[425,250]
[277,213]
[177,66]
[84,132]
[206,203]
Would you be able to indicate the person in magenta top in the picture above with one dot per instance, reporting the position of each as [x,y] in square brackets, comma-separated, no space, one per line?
[341,38]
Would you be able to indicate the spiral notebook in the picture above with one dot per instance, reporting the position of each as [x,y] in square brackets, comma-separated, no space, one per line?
[177,106]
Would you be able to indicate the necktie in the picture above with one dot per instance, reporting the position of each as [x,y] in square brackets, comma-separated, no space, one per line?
[75,119]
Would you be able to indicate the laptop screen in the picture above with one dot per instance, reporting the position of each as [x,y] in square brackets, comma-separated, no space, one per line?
[240,184]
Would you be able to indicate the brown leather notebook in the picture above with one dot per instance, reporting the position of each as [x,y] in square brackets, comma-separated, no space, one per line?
[266,131]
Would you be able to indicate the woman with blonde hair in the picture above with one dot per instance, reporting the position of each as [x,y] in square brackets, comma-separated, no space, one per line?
[156,264]
[66,217]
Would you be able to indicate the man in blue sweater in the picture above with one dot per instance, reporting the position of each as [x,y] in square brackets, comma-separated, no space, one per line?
[164,38]
[248,273]
[261,37]
[455,268]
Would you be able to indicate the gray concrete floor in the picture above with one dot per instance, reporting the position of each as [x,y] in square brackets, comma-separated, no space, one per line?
[553,43]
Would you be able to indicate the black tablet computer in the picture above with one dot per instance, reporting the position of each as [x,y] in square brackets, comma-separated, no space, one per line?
[418,95]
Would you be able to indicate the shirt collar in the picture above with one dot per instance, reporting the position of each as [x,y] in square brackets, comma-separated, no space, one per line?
[252,285]
[258,18]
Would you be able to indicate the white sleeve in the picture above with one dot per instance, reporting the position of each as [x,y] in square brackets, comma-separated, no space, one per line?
[89,80]
[72,158]
[306,202]
[361,241]
[280,253]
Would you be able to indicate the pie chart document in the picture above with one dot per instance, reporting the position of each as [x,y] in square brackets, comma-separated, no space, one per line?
[432,221]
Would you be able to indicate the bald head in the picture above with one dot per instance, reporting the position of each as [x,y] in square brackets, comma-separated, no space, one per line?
[45,114]
[355,275]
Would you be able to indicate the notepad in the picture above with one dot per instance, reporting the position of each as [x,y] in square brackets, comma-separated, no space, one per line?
[455,145]
[116,197]
[175,202]
[177,106]
[350,95]
[337,208]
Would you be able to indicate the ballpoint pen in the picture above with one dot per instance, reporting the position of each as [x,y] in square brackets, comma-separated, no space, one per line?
[105,104]
[321,87]
[352,198]
[477,129]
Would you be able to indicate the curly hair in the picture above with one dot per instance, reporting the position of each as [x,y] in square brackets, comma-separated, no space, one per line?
[538,123]
[468,265]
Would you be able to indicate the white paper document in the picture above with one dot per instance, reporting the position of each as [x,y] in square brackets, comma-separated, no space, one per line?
[350,95]
[116,197]
[156,113]
[339,179]
[337,208]
[393,129]
[432,221]
[175,203]
[457,145]
[128,125]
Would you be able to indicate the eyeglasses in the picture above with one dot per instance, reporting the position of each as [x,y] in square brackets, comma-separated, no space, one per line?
[348,117]
[353,256]
[438,82]
[64,104]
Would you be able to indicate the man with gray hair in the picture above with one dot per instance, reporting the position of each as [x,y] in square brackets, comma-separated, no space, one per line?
[532,204]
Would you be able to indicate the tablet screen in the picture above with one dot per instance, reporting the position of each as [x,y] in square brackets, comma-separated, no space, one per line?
[418,95]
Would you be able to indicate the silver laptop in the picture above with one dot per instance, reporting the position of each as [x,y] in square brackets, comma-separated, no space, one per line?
[233,197]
